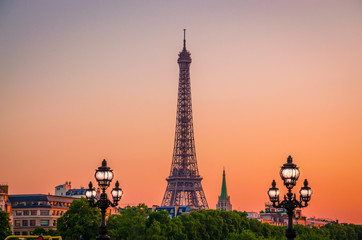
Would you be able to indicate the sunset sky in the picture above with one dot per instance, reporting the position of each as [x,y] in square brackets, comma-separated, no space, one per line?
[81,81]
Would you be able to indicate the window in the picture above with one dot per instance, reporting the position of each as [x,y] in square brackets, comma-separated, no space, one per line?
[18,213]
[25,223]
[44,212]
[34,212]
[16,233]
[54,223]
[24,233]
[32,223]
[17,224]
[26,212]
[44,222]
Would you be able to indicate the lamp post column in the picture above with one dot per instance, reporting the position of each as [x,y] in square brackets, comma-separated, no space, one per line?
[103,205]
[290,232]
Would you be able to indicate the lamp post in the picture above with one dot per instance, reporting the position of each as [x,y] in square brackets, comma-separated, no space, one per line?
[289,173]
[104,176]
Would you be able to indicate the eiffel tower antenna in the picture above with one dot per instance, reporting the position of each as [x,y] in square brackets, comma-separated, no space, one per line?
[184,39]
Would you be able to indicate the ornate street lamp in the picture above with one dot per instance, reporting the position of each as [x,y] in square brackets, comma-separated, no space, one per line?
[289,173]
[104,176]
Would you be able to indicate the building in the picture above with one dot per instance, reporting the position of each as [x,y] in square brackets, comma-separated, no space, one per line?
[184,186]
[31,211]
[274,216]
[67,190]
[5,204]
[253,215]
[318,222]
[61,190]
[4,198]
[224,200]
[279,217]
[76,193]
[174,211]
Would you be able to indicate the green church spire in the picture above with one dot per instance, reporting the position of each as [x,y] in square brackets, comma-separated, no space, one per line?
[224,193]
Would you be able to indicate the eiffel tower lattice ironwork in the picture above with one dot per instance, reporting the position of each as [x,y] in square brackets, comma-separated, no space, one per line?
[184,183]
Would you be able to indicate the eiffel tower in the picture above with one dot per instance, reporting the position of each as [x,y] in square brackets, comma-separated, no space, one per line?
[184,183]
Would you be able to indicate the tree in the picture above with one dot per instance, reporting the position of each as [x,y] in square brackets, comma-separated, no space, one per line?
[307,233]
[130,223]
[343,232]
[245,235]
[160,226]
[50,232]
[140,223]
[39,231]
[80,219]
[5,228]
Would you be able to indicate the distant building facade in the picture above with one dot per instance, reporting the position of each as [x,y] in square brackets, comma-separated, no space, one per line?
[274,216]
[67,190]
[76,193]
[318,222]
[61,190]
[4,198]
[174,211]
[279,217]
[5,204]
[253,215]
[31,211]
[224,200]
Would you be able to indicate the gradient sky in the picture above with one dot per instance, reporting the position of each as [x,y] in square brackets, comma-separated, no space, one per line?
[85,80]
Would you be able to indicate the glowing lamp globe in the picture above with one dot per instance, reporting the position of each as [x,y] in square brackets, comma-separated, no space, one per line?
[117,193]
[305,192]
[90,193]
[104,175]
[289,173]
[273,193]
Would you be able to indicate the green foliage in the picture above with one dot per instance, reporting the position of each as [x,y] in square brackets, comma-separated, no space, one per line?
[139,223]
[307,233]
[245,235]
[80,219]
[343,232]
[5,228]
[329,232]
[40,230]
[129,224]
[159,226]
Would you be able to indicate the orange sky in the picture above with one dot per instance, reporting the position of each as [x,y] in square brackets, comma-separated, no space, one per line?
[79,83]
